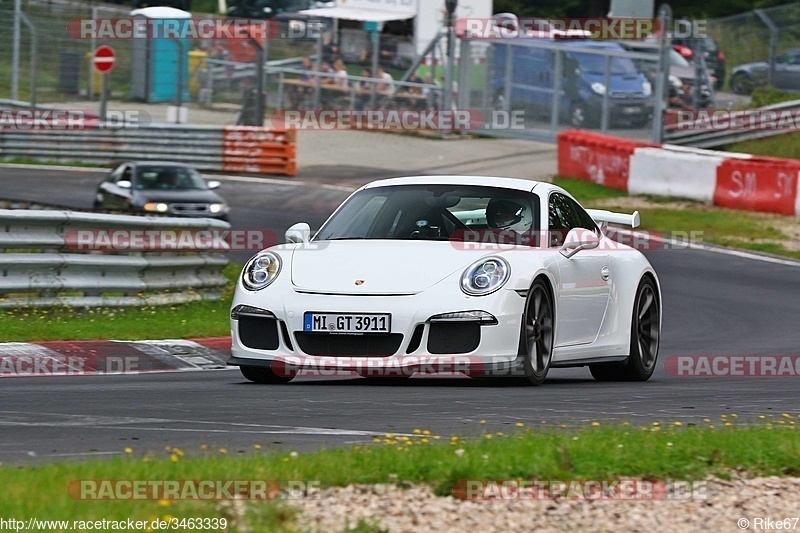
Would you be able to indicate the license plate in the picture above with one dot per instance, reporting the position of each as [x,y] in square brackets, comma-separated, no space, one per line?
[631,110]
[347,323]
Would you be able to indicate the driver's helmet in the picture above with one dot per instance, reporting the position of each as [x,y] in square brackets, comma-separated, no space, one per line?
[509,214]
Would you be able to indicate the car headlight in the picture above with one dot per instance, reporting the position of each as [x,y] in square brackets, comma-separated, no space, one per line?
[218,208]
[647,88]
[676,82]
[156,207]
[485,276]
[599,88]
[261,271]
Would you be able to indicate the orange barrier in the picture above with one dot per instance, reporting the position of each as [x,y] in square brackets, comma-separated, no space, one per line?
[259,150]
[598,158]
[758,184]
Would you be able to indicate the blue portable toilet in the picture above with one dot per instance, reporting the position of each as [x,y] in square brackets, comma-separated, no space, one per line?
[155,61]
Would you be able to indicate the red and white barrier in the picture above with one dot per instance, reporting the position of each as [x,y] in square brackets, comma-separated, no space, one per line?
[737,181]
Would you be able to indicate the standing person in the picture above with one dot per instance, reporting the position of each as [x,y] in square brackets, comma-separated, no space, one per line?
[364,91]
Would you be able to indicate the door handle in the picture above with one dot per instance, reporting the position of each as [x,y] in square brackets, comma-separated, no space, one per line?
[605,273]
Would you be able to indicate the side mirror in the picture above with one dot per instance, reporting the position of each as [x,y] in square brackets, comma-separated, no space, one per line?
[298,234]
[124,184]
[579,239]
[214,185]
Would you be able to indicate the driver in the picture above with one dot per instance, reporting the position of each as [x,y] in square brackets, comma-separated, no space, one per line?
[509,215]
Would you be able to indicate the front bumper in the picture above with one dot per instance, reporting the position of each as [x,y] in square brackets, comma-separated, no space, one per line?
[416,343]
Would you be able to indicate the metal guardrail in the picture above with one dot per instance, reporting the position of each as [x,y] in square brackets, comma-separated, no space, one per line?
[713,138]
[41,263]
[256,150]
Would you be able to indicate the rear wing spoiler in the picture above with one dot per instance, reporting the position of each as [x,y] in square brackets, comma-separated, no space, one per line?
[603,218]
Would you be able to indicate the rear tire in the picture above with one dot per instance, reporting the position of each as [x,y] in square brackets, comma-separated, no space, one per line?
[263,375]
[645,336]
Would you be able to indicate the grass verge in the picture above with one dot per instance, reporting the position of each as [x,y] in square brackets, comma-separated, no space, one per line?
[760,232]
[786,145]
[657,451]
[184,321]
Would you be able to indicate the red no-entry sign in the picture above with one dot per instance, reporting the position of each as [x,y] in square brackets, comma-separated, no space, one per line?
[104,59]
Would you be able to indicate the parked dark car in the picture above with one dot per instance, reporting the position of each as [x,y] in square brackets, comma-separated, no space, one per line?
[714,58]
[747,77]
[680,70]
[170,189]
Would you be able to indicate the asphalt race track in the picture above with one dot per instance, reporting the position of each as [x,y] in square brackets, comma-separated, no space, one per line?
[714,304]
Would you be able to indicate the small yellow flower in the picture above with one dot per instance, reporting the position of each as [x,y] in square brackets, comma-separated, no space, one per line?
[168,448]
[376,439]
[711,426]
[520,424]
[734,415]
[786,415]
[728,423]
[163,503]
[145,459]
[424,441]
[677,423]
[762,417]
[223,450]
[174,458]
[257,446]
[499,433]
[426,432]
[357,448]
[436,437]
[203,447]
[595,424]
[483,421]
[626,423]
[417,431]
[706,420]
[656,424]
[128,450]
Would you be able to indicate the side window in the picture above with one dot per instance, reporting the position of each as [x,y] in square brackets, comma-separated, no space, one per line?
[565,214]
[126,174]
[116,174]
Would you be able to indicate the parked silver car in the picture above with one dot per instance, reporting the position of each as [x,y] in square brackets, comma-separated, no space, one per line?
[745,78]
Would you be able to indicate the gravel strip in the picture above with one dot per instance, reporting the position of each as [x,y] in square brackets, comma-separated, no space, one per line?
[396,509]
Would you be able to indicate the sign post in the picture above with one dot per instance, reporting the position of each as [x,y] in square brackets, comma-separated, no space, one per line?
[103,61]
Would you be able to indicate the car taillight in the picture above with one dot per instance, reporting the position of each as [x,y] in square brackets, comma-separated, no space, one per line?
[685,51]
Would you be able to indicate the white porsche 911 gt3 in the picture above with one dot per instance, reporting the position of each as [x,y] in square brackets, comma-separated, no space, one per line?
[450,274]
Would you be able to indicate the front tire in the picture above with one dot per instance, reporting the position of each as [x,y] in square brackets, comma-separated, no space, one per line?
[742,83]
[263,375]
[645,337]
[536,338]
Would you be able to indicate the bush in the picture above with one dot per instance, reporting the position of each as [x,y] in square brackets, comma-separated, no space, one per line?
[768,95]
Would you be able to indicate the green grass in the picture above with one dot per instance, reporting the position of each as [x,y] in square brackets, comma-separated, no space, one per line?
[724,227]
[197,319]
[786,145]
[657,451]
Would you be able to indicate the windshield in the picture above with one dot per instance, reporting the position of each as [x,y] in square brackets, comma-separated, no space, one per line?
[596,64]
[169,178]
[677,60]
[432,212]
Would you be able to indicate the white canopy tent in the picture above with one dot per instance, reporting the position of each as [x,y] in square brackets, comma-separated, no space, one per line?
[358,14]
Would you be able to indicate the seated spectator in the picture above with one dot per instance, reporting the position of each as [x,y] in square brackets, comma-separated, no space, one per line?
[387,81]
[326,71]
[364,91]
[416,78]
[341,74]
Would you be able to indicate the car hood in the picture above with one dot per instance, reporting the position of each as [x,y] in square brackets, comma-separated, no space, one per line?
[382,266]
[190,196]
[623,83]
